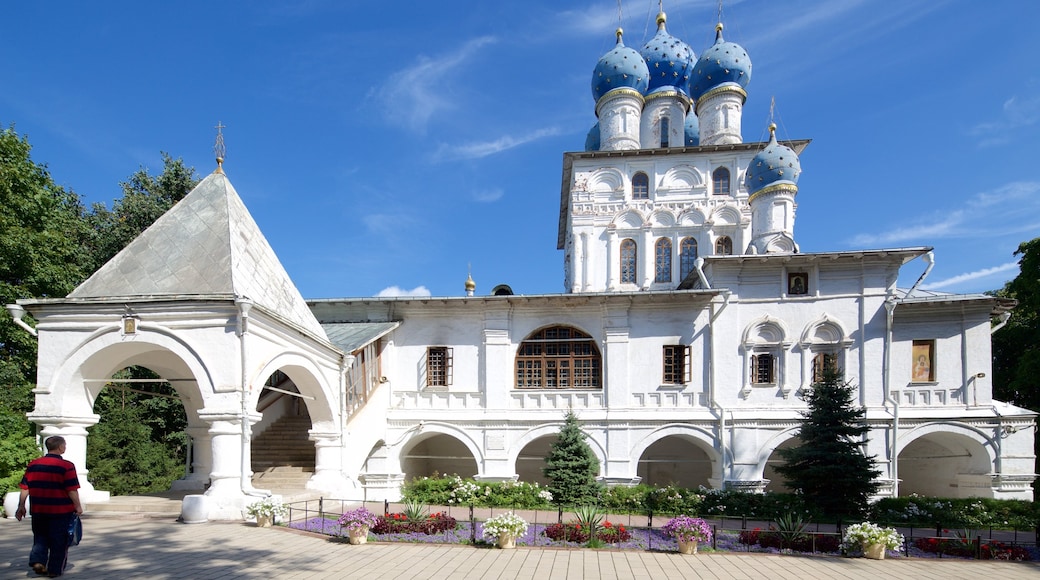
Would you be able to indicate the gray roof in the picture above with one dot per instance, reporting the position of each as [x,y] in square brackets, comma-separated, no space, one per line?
[351,336]
[207,244]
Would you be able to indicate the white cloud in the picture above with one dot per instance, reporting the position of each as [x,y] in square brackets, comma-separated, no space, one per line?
[485,148]
[1015,113]
[1009,209]
[410,97]
[488,195]
[977,275]
[391,291]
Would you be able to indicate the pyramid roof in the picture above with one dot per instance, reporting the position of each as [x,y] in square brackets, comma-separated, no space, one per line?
[206,244]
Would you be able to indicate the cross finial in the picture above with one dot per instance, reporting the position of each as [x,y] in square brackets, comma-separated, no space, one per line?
[218,148]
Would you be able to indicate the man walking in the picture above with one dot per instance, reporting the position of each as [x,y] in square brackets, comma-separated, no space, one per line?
[51,483]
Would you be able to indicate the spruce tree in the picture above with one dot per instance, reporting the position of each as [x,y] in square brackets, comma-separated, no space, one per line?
[572,467]
[829,468]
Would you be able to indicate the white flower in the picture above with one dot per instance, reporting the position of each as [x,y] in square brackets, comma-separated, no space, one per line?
[507,523]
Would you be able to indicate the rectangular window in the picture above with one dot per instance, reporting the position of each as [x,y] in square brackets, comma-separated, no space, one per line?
[676,364]
[763,369]
[823,362]
[923,362]
[438,366]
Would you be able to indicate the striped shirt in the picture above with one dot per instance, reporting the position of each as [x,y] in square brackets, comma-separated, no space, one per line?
[49,480]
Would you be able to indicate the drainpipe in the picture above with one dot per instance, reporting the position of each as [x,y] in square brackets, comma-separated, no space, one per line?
[698,264]
[890,307]
[17,312]
[929,259]
[712,401]
[244,306]
[1004,317]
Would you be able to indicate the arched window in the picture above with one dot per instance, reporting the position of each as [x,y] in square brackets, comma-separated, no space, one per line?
[640,186]
[724,246]
[664,131]
[663,260]
[558,357]
[720,181]
[628,261]
[687,257]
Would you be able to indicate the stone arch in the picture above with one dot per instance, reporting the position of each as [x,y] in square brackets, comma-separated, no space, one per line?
[726,216]
[681,178]
[629,220]
[664,457]
[307,377]
[105,352]
[540,439]
[692,217]
[606,180]
[662,218]
[768,459]
[440,448]
[765,330]
[956,460]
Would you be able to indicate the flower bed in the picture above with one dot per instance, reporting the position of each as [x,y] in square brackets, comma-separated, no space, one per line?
[808,542]
[397,523]
[608,533]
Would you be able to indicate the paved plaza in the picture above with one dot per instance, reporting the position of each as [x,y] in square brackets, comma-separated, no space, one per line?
[162,549]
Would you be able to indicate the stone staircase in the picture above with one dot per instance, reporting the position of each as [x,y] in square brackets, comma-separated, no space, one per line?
[283,456]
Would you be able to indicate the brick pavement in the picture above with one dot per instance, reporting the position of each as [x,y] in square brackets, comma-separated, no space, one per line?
[161,549]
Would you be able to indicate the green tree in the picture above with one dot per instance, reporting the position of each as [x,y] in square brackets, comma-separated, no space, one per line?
[43,253]
[572,467]
[829,468]
[1016,346]
[145,198]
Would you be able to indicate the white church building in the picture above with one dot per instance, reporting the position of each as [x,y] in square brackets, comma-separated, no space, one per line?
[689,332]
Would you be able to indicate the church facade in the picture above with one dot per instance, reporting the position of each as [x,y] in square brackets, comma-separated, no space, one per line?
[691,328]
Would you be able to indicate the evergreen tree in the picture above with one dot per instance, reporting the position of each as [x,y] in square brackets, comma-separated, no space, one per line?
[829,468]
[572,467]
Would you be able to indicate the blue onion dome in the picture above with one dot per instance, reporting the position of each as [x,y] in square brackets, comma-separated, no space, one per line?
[692,128]
[668,59]
[622,67]
[773,166]
[592,139]
[725,62]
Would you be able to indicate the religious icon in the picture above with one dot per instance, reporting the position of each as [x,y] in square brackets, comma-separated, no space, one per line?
[797,284]
[129,325]
[922,371]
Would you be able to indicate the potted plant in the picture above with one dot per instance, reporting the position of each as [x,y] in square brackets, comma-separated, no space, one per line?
[357,522]
[688,531]
[872,539]
[266,510]
[506,528]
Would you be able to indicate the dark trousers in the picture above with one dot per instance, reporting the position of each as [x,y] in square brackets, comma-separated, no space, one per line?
[50,541]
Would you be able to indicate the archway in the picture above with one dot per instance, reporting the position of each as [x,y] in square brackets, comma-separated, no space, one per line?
[778,483]
[437,454]
[675,460]
[530,462]
[945,464]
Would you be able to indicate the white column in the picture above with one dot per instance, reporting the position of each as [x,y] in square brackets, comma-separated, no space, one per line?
[613,267]
[647,258]
[74,430]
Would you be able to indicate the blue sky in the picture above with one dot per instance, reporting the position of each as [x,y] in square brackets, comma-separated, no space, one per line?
[383,145]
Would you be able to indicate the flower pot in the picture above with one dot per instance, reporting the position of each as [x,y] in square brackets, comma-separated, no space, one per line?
[688,547]
[263,521]
[358,535]
[506,541]
[874,551]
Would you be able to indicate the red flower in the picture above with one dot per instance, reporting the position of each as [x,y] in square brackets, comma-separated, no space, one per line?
[608,525]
